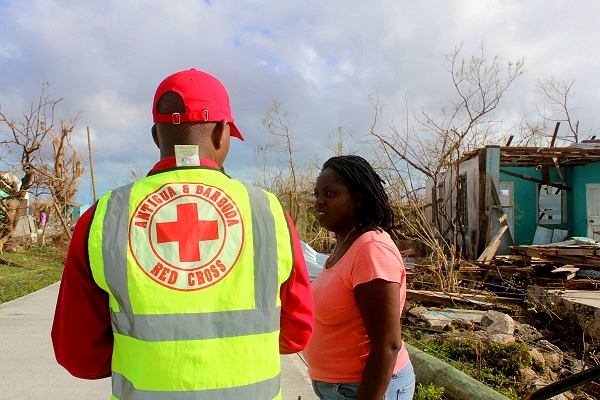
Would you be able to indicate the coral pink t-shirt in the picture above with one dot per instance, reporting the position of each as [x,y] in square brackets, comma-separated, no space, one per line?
[340,345]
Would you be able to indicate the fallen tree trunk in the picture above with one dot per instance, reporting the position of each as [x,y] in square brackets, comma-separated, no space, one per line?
[457,385]
[12,263]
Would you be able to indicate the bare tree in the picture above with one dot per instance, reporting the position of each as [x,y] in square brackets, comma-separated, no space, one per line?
[555,108]
[293,182]
[532,133]
[26,144]
[134,173]
[556,105]
[59,172]
[279,124]
[466,125]
[336,142]
[271,174]
[429,146]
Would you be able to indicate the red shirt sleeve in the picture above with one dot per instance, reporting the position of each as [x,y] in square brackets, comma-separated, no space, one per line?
[297,309]
[81,331]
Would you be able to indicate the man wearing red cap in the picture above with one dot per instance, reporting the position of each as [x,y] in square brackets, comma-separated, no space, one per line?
[186,284]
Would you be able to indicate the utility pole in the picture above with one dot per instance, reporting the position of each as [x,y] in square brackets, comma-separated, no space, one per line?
[92,164]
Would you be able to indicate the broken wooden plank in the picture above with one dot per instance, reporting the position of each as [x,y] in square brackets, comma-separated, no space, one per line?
[574,284]
[489,252]
[554,135]
[588,262]
[456,298]
[513,258]
[535,156]
[13,264]
[549,251]
[570,242]
[572,251]
[443,298]
[558,171]
[565,268]
[567,271]
[502,219]
[529,178]
[472,266]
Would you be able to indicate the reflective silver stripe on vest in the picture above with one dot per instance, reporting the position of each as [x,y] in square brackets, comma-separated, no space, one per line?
[192,326]
[167,327]
[265,248]
[114,245]
[123,389]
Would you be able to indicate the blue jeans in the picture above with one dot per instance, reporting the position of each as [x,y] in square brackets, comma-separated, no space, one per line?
[401,387]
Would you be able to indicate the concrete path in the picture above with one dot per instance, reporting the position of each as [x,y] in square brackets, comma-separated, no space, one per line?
[28,369]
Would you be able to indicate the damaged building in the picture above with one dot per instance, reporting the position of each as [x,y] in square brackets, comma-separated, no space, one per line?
[529,211]
[541,195]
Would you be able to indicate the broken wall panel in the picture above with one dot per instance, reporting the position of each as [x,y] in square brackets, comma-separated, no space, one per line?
[552,205]
[563,176]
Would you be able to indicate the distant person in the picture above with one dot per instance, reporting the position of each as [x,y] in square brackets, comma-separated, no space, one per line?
[186,284]
[357,351]
[43,218]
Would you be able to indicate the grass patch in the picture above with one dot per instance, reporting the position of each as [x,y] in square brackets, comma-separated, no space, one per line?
[493,364]
[35,269]
[430,392]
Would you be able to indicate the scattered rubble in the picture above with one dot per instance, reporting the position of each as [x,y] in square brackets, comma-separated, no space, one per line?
[548,362]
[562,277]
[495,322]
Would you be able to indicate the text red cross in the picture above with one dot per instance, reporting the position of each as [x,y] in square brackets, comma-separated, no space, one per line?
[187,231]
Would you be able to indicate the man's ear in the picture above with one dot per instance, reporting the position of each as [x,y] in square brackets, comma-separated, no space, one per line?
[218,134]
[155,136]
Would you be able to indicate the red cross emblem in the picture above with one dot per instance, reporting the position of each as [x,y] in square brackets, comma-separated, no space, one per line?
[187,231]
[186,235]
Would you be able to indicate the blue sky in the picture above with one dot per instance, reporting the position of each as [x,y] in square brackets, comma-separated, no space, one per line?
[320,60]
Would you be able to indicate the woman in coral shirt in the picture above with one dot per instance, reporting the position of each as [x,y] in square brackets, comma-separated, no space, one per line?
[357,351]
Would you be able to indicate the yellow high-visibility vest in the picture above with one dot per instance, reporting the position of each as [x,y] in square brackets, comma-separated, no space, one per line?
[193,272]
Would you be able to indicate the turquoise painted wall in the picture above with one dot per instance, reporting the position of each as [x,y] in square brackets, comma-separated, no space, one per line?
[581,176]
[525,201]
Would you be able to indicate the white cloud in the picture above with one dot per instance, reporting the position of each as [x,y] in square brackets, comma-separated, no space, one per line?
[8,51]
[321,60]
[113,111]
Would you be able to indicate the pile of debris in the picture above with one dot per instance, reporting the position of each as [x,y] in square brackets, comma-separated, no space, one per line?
[563,277]
[571,264]
[548,362]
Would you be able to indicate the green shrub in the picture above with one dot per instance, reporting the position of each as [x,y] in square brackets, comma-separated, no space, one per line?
[430,392]
[493,364]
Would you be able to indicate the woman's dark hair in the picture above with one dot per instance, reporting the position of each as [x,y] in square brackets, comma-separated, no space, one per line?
[375,211]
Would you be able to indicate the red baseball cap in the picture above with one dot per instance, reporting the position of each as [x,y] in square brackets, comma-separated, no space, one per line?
[205,99]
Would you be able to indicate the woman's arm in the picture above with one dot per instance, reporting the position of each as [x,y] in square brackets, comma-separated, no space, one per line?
[379,304]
